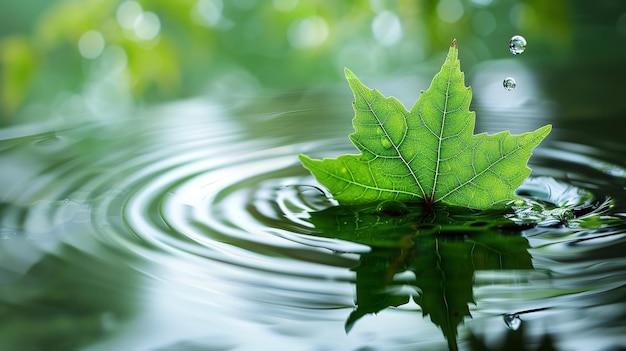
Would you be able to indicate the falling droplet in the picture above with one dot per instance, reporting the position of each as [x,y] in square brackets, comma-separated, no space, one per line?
[517,44]
[512,321]
[509,84]
[386,143]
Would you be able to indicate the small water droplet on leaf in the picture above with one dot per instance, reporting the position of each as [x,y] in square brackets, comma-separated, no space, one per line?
[512,321]
[385,142]
[517,44]
[509,83]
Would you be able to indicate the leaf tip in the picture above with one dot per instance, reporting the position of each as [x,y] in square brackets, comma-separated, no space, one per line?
[453,52]
[545,130]
[348,73]
[302,157]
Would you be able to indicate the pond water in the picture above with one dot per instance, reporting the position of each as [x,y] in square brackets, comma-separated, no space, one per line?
[194,227]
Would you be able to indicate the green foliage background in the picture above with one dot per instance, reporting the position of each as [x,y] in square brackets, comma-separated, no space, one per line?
[217,47]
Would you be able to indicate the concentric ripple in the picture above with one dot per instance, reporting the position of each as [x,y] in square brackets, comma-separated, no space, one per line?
[214,210]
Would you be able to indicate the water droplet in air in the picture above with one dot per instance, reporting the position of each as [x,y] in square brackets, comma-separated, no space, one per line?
[512,321]
[517,44]
[509,84]
[386,143]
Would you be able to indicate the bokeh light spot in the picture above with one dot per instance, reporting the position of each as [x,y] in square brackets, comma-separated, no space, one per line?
[450,10]
[210,11]
[285,5]
[482,2]
[147,26]
[91,44]
[127,14]
[307,32]
[377,5]
[387,28]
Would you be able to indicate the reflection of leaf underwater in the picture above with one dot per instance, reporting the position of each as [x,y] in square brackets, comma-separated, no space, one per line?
[443,264]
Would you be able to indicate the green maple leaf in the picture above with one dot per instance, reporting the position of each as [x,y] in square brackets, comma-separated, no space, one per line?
[429,153]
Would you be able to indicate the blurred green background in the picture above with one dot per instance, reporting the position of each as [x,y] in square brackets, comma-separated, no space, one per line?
[71,59]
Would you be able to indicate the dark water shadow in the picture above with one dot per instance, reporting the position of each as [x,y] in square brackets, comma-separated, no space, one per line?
[429,258]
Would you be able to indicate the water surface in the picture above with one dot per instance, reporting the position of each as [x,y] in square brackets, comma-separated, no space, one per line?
[192,226]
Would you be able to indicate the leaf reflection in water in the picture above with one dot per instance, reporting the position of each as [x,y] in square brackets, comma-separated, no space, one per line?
[442,250]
